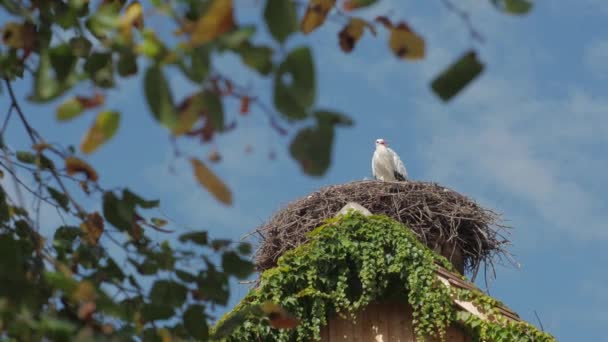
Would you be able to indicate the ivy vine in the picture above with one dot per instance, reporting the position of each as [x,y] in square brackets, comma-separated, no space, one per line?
[355,260]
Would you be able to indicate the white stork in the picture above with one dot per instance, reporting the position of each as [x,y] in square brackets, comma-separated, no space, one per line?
[386,164]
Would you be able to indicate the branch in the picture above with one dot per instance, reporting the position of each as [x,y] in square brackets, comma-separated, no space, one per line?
[465,17]
[15,104]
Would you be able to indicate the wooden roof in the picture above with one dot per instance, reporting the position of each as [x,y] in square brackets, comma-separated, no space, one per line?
[454,280]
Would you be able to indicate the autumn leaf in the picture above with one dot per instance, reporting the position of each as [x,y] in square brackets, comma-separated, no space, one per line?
[217,20]
[92,228]
[350,5]
[86,310]
[75,106]
[19,36]
[84,292]
[279,318]
[103,129]
[315,15]
[405,43]
[215,156]
[211,182]
[158,222]
[91,102]
[133,17]
[351,33]
[75,165]
[188,113]
[244,108]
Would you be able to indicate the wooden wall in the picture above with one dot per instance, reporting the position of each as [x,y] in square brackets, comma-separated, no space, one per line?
[384,322]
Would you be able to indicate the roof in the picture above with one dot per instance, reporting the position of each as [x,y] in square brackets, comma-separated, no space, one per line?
[452,279]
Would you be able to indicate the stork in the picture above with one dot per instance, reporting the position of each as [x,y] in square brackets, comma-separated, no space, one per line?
[386,164]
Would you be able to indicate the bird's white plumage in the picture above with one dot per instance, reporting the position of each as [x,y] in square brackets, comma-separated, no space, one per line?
[386,164]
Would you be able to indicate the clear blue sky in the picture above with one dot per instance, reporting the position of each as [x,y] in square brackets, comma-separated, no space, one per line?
[529,139]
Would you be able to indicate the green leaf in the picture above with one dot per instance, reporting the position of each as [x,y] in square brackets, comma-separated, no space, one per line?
[333,118]
[312,148]
[26,157]
[233,264]
[236,38]
[100,69]
[198,68]
[63,61]
[105,19]
[213,286]
[148,267]
[169,293]
[281,18]
[159,97]
[244,248]
[103,129]
[81,47]
[157,311]
[215,110]
[517,7]
[69,109]
[236,319]
[294,84]
[45,86]
[185,276]
[61,281]
[116,212]
[4,212]
[127,63]
[135,199]
[59,197]
[457,76]
[65,236]
[258,58]
[199,238]
[195,322]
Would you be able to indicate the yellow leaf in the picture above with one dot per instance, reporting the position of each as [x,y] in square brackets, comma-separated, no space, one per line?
[211,182]
[189,112]
[315,15]
[86,311]
[75,165]
[279,318]
[351,33]
[84,292]
[93,228]
[19,36]
[134,16]
[165,335]
[405,43]
[217,20]
[39,147]
[104,128]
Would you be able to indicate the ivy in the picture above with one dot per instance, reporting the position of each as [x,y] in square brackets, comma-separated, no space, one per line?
[353,261]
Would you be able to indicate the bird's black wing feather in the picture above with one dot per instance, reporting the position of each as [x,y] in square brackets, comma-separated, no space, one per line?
[398,176]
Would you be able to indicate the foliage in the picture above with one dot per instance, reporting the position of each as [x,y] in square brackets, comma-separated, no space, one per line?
[100,274]
[353,261]
[112,40]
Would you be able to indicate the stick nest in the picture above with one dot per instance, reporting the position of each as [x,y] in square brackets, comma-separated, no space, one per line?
[436,214]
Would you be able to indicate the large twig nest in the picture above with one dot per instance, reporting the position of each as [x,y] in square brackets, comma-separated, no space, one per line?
[436,214]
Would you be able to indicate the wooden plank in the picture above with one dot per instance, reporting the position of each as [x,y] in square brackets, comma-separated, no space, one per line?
[382,334]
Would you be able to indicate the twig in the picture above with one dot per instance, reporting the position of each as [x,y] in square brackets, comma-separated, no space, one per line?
[542,328]
[30,131]
[466,18]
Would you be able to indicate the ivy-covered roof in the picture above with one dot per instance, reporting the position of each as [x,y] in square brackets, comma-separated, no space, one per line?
[354,260]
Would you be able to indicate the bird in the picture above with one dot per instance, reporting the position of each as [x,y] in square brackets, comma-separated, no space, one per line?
[386,164]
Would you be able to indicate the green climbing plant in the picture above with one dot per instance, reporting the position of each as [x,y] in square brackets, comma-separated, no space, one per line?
[353,261]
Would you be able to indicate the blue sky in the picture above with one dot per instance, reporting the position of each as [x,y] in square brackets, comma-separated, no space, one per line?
[528,139]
